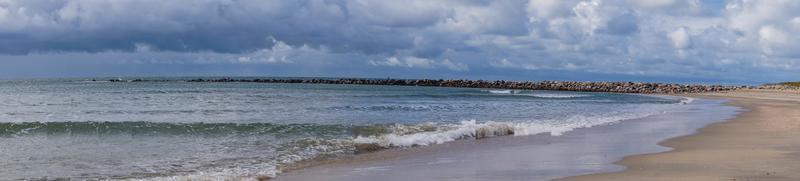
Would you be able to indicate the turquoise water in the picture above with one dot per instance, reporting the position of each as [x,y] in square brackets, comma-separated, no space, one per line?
[93,129]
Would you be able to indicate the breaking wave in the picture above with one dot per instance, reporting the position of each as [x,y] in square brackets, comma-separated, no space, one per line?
[395,107]
[477,130]
[538,95]
[686,100]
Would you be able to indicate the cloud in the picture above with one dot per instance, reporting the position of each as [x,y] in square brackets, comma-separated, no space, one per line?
[456,66]
[416,62]
[680,38]
[547,9]
[143,47]
[279,53]
[766,25]
[503,63]
[738,38]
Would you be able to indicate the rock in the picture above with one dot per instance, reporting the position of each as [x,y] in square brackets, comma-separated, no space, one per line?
[367,148]
[617,87]
[263,178]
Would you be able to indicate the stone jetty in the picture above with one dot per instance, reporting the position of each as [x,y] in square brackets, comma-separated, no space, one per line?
[781,86]
[616,87]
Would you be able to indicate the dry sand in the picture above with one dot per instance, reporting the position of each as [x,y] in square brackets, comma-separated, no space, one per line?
[762,143]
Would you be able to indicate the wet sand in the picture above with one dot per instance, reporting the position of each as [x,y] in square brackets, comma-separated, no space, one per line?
[762,143]
[537,157]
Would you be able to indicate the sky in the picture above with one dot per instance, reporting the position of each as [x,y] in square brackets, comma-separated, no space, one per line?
[717,41]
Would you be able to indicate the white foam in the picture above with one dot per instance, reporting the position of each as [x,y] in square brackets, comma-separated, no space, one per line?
[504,91]
[540,95]
[687,100]
[475,130]
[500,91]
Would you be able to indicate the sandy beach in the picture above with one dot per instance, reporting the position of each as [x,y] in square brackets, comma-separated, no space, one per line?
[759,144]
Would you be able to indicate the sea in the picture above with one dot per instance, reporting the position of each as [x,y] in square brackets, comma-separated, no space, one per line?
[91,128]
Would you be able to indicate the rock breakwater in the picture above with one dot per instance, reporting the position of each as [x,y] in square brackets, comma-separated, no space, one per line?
[616,87]
[781,86]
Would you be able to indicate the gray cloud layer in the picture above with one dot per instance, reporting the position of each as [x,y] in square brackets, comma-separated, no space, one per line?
[735,40]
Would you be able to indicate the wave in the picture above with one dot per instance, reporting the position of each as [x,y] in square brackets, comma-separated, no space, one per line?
[393,108]
[93,81]
[538,95]
[405,107]
[505,91]
[558,95]
[686,100]
[476,130]
[157,128]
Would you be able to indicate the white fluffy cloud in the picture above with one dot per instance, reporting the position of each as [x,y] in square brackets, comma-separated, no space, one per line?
[691,38]
[768,26]
[681,40]
[416,62]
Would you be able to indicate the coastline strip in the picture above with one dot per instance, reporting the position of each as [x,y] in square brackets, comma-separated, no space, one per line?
[759,144]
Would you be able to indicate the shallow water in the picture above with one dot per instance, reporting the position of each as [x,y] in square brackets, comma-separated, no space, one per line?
[86,129]
[534,157]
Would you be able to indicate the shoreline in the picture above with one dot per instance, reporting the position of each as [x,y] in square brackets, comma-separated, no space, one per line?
[536,157]
[758,144]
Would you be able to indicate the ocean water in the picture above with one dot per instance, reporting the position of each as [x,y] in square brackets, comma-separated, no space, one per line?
[165,130]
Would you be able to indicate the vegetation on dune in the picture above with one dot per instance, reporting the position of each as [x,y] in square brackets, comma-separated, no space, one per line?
[794,84]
